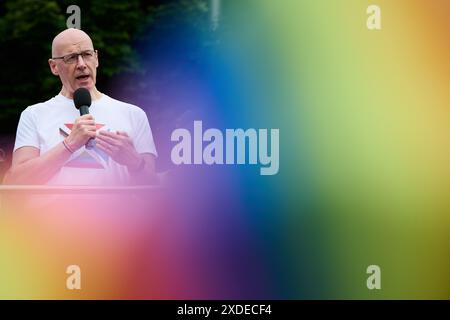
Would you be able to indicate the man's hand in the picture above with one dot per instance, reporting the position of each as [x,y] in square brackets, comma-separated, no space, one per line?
[120,148]
[83,129]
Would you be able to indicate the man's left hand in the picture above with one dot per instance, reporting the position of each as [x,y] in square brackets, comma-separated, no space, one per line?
[119,147]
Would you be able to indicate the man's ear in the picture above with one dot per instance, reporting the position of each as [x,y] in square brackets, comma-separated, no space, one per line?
[53,67]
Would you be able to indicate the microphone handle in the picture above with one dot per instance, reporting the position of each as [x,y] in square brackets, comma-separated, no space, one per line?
[91,142]
[84,110]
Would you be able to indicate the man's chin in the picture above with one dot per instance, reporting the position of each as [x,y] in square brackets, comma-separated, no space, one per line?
[88,86]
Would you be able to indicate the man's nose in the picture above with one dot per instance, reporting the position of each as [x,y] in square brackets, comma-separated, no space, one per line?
[80,62]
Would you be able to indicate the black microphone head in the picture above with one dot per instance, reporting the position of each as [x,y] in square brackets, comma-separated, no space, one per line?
[82,97]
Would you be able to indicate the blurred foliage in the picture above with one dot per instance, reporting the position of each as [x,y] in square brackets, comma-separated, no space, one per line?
[27,27]
[119,29]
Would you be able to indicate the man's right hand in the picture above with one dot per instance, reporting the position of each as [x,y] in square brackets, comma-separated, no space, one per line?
[83,129]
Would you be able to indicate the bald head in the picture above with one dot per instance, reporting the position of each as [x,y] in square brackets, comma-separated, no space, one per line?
[69,38]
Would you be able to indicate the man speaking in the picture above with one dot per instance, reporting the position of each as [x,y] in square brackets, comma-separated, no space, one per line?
[112,144]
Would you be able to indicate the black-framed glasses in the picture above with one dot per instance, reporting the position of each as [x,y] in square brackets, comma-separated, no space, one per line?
[87,55]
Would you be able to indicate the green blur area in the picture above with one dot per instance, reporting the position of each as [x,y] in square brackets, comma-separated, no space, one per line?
[367,113]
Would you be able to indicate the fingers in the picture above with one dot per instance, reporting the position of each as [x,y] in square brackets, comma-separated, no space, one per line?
[104,147]
[85,122]
[122,133]
[112,134]
[110,139]
[86,117]
[91,133]
[88,130]
[111,150]
[86,127]
[120,138]
[113,143]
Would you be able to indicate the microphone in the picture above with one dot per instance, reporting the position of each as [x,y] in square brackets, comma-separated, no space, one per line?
[82,100]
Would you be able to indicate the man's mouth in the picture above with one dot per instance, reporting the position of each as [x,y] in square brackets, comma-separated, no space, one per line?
[82,77]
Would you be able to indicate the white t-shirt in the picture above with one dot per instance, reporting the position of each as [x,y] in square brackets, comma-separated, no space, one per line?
[46,124]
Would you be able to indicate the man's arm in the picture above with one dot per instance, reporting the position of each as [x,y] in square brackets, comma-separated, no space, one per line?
[28,167]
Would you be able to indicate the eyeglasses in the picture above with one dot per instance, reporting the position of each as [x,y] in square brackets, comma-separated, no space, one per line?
[87,55]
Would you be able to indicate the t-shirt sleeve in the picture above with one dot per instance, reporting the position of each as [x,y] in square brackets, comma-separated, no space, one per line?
[143,137]
[27,134]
